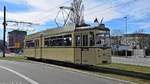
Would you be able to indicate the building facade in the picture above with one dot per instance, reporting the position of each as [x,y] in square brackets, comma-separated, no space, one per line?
[136,43]
[134,40]
[137,40]
[16,39]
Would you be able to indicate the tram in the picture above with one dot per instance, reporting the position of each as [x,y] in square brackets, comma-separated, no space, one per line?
[88,45]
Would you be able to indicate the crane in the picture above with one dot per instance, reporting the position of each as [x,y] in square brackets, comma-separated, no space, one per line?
[75,14]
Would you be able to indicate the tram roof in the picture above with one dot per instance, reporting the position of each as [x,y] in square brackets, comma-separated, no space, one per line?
[60,30]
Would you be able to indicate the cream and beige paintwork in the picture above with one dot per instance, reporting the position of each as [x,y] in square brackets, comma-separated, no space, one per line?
[80,55]
[90,56]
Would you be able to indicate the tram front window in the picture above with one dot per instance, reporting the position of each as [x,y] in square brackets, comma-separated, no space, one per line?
[102,39]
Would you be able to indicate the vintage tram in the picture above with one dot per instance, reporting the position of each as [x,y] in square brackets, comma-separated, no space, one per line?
[88,45]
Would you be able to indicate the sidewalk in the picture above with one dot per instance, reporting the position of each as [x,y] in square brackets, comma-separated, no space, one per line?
[11,54]
[132,60]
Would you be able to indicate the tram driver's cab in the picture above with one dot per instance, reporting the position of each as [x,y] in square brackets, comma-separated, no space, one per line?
[102,39]
[92,46]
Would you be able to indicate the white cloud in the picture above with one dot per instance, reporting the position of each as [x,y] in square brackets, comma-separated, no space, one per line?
[136,9]
[42,11]
[101,12]
[14,1]
[142,25]
[145,26]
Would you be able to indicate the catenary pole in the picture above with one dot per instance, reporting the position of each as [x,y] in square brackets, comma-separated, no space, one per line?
[126,52]
[4,32]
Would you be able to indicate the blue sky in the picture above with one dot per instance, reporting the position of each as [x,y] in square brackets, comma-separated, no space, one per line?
[44,12]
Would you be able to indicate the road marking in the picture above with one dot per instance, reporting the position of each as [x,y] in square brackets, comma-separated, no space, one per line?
[21,75]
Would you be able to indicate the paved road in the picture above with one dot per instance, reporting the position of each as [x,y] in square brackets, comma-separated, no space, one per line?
[132,60]
[39,73]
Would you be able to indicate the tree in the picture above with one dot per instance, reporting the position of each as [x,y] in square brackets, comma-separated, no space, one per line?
[116,39]
[117,36]
[141,38]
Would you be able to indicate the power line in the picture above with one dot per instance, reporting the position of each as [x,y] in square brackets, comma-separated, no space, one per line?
[111,6]
[98,5]
[57,7]
[106,9]
[52,9]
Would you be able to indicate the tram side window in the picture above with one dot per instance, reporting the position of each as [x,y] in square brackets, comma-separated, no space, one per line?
[46,42]
[65,40]
[29,44]
[57,42]
[92,41]
[85,40]
[78,40]
[36,43]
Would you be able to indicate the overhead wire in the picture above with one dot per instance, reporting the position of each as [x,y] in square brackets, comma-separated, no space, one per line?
[98,5]
[88,9]
[108,8]
[51,9]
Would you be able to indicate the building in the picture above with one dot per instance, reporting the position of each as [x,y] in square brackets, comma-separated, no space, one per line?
[16,40]
[137,40]
[2,47]
[134,40]
[135,43]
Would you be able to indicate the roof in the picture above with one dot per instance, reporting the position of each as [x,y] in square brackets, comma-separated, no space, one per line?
[137,35]
[61,30]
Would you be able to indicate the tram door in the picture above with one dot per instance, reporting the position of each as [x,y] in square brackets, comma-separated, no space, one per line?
[78,52]
[83,52]
[41,45]
[36,42]
[85,49]
[38,47]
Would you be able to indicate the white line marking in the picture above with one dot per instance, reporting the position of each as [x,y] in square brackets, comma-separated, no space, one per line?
[21,75]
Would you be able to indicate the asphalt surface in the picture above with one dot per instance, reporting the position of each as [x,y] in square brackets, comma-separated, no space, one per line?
[38,73]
